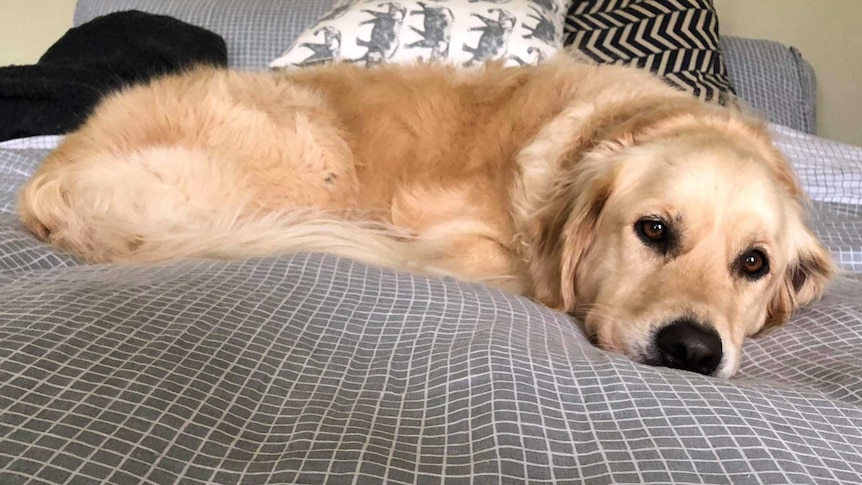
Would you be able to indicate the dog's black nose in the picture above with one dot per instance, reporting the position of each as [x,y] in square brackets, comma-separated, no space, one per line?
[685,344]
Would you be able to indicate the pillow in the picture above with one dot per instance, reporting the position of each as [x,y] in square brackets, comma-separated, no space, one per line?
[255,31]
[462,32]
[676,39]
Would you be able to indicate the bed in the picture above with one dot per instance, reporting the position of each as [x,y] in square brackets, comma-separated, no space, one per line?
[308,368]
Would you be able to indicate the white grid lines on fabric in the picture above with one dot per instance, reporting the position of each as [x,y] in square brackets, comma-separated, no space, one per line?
[398,465]
[549,407]
[369,451]
[256,456]
[607,372]
[779,435]
[47,142]
[566,432]
[72,410]
[520,407]
[809,334]
[178,395]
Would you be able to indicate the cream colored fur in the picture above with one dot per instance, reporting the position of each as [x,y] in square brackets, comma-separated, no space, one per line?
[525,178]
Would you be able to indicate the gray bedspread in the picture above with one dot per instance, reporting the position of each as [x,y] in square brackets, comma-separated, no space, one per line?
[312,369]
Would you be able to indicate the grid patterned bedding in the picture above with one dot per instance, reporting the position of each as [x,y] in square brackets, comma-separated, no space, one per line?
[312,369]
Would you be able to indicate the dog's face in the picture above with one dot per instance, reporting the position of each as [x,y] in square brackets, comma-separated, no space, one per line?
[675,249]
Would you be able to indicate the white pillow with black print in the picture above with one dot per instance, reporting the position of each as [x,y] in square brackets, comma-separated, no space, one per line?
[462,32]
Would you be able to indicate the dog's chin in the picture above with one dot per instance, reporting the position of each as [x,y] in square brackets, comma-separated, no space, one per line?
[725,370]
[644,352]
[648,355]
[652,359]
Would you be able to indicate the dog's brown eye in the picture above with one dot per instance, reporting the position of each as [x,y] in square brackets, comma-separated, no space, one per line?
[657,235]
[653,230]
[754,264]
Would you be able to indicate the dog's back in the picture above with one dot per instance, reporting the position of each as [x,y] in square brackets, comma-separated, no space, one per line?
[337,158]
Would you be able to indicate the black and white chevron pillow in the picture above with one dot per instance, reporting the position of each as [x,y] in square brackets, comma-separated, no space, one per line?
[676,39]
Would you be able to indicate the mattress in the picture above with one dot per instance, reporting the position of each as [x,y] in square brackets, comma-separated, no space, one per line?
[308,368]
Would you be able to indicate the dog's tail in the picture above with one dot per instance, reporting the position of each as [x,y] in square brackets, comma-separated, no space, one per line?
[170,203]
[237,236]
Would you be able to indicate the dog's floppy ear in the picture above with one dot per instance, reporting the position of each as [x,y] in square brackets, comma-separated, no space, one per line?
[806,278]
[810,266]
[562,230]
[568,174]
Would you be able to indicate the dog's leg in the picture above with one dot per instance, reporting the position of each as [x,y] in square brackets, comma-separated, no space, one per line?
[166,203]
[469,237]
[107,207]
[479,258]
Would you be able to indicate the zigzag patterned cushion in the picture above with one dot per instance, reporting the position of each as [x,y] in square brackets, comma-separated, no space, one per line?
[676,39]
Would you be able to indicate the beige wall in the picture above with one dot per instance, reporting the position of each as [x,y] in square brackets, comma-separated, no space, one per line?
[29,27]
[829,35]
[828,32]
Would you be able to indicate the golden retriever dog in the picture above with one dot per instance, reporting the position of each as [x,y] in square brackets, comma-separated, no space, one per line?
[671,228]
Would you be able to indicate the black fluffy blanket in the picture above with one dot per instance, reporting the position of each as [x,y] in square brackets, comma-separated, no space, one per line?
[55,95]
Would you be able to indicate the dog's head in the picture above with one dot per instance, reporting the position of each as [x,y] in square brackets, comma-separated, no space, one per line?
[672,233]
